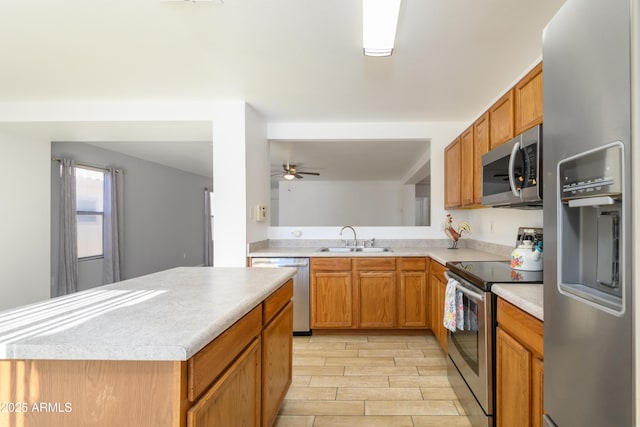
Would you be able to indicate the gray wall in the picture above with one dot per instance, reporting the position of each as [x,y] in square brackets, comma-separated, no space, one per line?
[163,213]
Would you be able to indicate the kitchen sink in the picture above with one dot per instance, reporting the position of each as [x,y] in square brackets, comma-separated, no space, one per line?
[337,249]
[373,250]
[345,249]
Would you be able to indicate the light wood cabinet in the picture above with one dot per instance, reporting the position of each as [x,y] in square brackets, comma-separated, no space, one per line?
[235,398]
[516,111]
[437,286]
[375,280]
[501,113]
[369,293]
[277,350]
[452,177]
[528,100]
[331,293]
[413,307]
[519,367]
[238,379]
[467,173]
[480,147]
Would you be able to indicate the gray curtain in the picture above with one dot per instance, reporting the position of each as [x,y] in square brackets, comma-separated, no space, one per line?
[112,230]
[67,282]
[208,232]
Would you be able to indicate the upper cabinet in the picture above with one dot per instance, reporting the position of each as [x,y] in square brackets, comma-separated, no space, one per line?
[501,120]
[528,100]
[516,111]
[452,165]
[480,147]
[466,166]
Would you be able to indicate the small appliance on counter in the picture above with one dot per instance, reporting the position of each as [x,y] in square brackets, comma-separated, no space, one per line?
[471,361]
[527,256]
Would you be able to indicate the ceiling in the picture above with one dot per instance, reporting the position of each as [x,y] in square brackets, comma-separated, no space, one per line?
[292,60]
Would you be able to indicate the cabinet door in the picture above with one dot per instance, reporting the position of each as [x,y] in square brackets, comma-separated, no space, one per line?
[537,392]
[501,127]
[233,400]
[480,147]
[412,307]
[513,382]
[452,194]
[376,298]
[331,299]
[277,348]
[466,167]
[528,100]
[437,287]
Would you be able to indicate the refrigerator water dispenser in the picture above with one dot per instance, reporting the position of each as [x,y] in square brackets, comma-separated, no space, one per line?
[590,227]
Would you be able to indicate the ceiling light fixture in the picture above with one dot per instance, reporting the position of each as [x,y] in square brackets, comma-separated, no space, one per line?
[379,23]
[288,176]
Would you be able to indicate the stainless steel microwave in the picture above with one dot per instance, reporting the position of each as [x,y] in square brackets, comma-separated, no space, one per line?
[512,172]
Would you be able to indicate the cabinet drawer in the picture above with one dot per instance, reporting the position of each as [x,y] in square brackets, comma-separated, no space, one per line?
[522,326]
[276,301]
[375,264]
[412,264]
[331,264]
[212,360]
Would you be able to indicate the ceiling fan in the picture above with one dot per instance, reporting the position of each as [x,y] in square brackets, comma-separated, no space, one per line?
[290,172]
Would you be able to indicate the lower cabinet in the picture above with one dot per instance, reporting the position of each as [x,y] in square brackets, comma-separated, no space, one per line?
[375,280]
[331,293]
[519,368]
[277,350]
[369,293]
[233,400]
[413,296]
[250,390]
[437,287]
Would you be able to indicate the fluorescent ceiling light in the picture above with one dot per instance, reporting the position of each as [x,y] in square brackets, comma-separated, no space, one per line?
[379,22]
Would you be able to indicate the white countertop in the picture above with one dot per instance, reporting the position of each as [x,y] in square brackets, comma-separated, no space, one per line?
[169,315]
[442,255]
[527,297]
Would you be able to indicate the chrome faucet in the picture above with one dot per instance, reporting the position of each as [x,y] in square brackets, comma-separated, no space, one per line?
[355,240]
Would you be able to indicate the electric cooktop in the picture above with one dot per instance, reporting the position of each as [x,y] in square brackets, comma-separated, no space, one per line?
[483,274]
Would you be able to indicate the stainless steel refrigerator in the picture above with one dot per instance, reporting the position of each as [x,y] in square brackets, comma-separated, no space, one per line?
[590,67]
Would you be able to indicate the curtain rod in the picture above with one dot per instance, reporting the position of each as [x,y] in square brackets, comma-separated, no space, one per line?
[89,165]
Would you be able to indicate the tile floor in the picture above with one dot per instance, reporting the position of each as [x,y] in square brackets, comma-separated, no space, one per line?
[394,381]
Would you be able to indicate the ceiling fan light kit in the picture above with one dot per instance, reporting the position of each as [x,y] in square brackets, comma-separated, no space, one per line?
[379,23]
[290,172]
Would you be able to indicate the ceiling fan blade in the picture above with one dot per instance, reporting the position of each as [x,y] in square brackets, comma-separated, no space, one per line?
[309,173]
[298,176]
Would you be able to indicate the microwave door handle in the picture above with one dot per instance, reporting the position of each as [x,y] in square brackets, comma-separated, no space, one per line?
[512,161]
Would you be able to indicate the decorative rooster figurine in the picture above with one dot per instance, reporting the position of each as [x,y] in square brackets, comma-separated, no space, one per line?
[454,234]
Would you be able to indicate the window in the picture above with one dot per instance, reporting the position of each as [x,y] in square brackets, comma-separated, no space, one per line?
[89,211]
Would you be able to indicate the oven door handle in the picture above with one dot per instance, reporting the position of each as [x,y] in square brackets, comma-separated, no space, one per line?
[474,296]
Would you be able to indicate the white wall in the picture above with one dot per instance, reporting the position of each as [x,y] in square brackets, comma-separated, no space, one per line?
[24,219]
[356,203]
[258,172]
[497,225]
[229,186]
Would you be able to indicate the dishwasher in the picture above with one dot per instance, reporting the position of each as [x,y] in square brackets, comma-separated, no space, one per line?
[300,288]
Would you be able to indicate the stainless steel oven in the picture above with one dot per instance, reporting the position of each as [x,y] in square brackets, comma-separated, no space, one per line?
[471,353]
[471,361]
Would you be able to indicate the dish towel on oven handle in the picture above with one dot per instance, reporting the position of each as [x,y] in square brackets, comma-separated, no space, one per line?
[453,307]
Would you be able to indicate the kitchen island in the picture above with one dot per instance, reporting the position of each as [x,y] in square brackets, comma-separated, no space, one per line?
[188,346]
